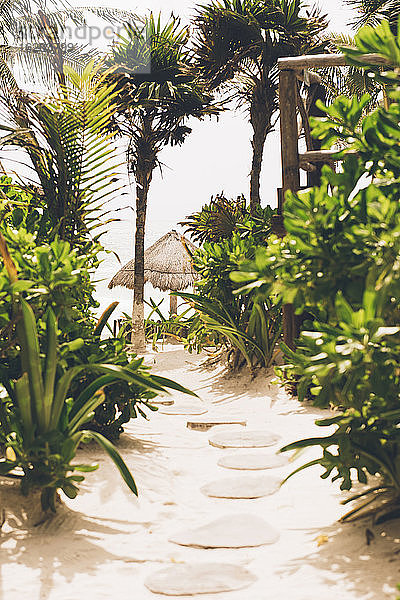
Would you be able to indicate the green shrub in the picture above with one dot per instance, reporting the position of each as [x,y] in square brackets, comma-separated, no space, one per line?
[55,276]
[354,366]
[122,400]
[340,262]
[248,325]
[42,424]
[221,218]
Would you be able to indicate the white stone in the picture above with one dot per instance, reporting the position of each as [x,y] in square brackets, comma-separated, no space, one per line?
[244,439]
[232,531]
[253,462]
[242,486]
[205,423]
[190,580]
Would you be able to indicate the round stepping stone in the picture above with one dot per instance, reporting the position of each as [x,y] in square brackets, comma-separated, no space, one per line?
[190,580]
[232,531]
[244,439]
[243,486]
[205,423]
[252,462]
[182,410]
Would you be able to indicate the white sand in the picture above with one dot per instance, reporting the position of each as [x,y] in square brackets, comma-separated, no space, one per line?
[105,543]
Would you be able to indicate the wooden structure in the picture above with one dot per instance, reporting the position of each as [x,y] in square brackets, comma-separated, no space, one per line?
[167,266]
[292,71]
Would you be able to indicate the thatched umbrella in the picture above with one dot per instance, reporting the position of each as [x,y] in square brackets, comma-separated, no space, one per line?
[167,266]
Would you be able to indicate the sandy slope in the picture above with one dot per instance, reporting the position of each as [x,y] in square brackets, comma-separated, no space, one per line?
[106,542]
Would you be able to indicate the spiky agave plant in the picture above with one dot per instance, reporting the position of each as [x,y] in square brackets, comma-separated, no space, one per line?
[42,426]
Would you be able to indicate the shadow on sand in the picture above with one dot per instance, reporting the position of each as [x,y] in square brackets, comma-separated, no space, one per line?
[366,557]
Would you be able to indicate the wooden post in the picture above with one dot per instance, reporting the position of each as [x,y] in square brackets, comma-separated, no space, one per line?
[290,167]
[173,305]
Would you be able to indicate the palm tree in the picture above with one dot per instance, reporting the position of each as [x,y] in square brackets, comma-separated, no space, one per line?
[30,33]
[347,81]
[65,137]
[158,92]
[353,80]
[372,12]
[237,48]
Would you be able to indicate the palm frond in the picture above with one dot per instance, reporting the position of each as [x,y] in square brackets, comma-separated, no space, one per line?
[69,143]
[348,81]
[372,12]
[154,104]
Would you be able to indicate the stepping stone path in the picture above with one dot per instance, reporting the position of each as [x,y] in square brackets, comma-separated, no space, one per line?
[244,439]
[183,410]
[242,486]
[189,580]
[253,462]
[206,423]
[233,531]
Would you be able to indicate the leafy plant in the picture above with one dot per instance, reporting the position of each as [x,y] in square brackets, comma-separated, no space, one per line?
[217,220]
[354,366]
[340,263]
[44,428]
[251,337]
[221,218]
[51,276]
[173,326]
[65,136]
[249,325]
[122,400]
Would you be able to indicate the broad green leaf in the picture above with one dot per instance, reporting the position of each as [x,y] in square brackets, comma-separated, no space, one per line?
[115,457]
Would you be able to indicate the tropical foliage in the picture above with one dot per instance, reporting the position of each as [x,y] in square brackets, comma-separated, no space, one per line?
[218,220]
[33,46]
[373,12]
[62,383]
[41,427]
[248,326]
[65,138]
[42,414]
[122,400]
[339,262]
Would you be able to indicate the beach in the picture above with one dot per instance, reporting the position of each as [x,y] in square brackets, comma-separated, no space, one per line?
[107,542]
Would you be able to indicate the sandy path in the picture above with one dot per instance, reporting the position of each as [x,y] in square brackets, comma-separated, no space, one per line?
[107,542]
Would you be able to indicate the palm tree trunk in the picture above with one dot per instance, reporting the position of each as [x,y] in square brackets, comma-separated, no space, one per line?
[173,305]
[261,111]
[138,335]
[258,142]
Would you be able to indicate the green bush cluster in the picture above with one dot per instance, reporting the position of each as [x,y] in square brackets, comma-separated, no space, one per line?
[55,275]
[59,390]
[339,264]
[61,383]
[247,325]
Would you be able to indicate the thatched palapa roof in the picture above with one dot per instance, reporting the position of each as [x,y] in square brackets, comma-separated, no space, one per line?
[167,265]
